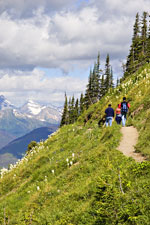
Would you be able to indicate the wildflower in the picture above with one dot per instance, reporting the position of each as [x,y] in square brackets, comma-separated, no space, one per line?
[71,163]
[38,188]
[3,171]
[53,171]
[73,155]
[67,159]
[45,178]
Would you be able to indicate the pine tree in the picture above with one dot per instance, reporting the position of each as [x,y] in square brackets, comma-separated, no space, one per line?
[81,108]
[111,79]
[107,74]
[143,43]
[92,93]
[95,84]
[133,57]
[72,113]
[96,79]
[148,44]
[118,82]
[89,92]
[144,32]
[76,110]
[102,86]
[64,119]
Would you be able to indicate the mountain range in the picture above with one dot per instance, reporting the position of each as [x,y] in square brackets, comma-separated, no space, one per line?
[20,125]
[20,121]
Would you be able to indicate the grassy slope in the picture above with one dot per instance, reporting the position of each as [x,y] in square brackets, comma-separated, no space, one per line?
[100,187]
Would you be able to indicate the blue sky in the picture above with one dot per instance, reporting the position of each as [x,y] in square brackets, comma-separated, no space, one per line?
[48,46]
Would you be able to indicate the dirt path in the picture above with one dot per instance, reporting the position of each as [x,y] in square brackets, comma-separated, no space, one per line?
[129,140]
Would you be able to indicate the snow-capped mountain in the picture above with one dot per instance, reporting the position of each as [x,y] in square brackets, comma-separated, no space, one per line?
[49,114]
[41,112]
[5,104]
[19,121]
[58,108]
[31,108]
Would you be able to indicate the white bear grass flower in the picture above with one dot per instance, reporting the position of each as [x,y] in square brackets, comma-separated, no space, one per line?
[38,188]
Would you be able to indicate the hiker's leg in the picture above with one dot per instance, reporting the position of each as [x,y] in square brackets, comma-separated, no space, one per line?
[123,121]
[119,120]
[110,121]
[106,121]
[116,119]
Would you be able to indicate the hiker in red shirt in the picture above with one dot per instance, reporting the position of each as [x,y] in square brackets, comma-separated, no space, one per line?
[124,106]
[118,115]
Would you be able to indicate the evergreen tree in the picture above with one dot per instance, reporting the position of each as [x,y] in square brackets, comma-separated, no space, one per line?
[76,110]
[148,44]
[107,74]
[89,92]
[139,50]
[81,108]
[64,119]
[95,84]
[117,83]
[144,33]
[102,86]
[92,93]
[133,57]
[69,111]
[111,79]
[143,42]
[72,112]
[96,79]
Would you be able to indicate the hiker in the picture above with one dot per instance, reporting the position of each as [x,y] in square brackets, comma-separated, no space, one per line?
[101,122]
[124,106]
[118,115]
[109,115]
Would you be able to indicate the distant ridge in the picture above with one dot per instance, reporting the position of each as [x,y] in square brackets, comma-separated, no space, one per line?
[18,146]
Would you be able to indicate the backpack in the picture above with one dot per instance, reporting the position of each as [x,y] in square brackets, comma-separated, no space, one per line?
[124,107]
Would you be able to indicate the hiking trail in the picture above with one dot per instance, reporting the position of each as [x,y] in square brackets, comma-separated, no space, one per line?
[129,140]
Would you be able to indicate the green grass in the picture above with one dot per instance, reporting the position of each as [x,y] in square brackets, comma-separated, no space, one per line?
[78,177]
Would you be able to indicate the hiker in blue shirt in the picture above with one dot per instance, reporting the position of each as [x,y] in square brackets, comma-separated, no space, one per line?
[109,115]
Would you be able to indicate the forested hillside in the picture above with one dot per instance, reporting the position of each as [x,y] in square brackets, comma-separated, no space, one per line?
[101,80]
[77,175]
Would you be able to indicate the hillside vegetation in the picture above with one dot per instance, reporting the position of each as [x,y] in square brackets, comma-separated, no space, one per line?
[77,176]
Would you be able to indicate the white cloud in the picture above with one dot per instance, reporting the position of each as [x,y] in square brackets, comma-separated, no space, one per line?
[60,34]
[26,8]
[120,8]
[20,86]
[61,40]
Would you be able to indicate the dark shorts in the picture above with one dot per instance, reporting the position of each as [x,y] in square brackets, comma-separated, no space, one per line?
[118,119]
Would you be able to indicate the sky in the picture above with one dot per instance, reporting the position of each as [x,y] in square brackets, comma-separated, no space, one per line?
[47,47]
